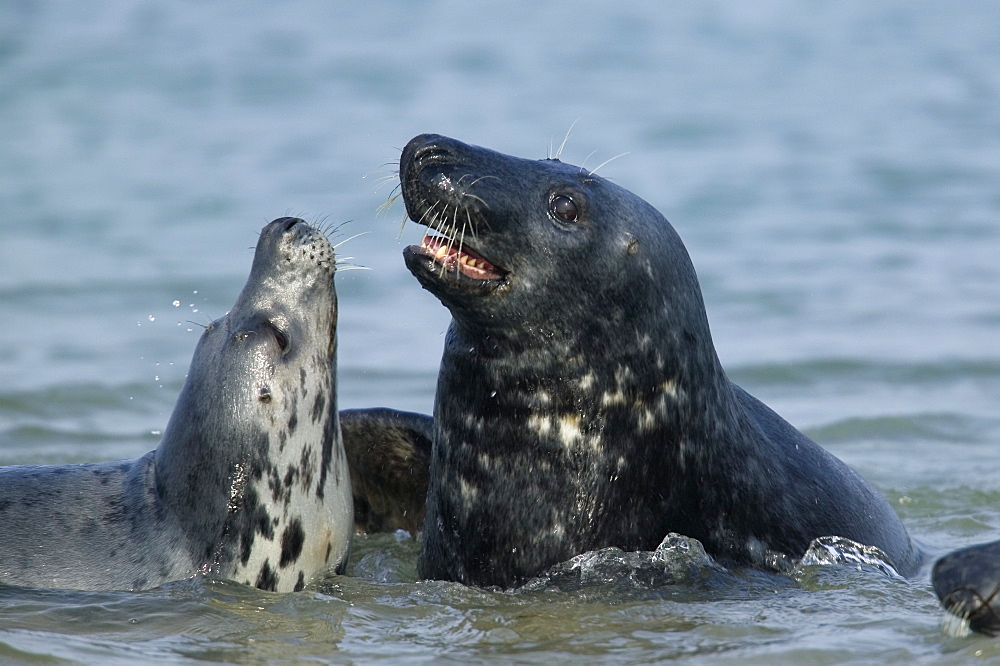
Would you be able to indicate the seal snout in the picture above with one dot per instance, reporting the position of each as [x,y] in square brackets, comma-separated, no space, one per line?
[441,193]
[967,582]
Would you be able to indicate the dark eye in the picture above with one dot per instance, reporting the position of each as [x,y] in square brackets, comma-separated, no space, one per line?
[279,337]
[564,209]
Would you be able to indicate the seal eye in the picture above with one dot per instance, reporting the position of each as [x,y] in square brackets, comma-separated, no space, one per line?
[564,209]
[279,337]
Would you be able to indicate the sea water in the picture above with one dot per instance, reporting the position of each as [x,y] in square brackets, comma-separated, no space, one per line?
[834,170]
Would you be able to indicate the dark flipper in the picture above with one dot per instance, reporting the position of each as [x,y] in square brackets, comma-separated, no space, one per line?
[388,452]
[968,584]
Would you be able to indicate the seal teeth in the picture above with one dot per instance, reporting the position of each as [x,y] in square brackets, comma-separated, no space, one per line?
[443,250]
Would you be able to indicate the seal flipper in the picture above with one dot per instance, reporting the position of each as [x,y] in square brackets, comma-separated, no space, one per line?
[388,453]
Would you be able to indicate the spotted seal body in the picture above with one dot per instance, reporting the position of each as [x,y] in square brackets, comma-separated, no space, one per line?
[249,482]
[580,402]
[968,584]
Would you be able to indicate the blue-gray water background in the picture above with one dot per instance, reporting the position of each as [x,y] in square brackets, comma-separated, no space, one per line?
[834,169]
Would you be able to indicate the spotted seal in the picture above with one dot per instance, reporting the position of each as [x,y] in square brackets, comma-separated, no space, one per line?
[580,402]
[249,482]
[967,582]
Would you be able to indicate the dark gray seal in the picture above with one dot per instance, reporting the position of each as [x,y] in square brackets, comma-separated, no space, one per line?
[968,584]
[581,403]
[388,452]
[249,482]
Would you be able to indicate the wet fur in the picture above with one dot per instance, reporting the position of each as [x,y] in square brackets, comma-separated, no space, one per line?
[581,403]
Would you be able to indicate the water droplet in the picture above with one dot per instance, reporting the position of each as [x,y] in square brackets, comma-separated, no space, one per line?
[493,395]
[176,304]
[152,318]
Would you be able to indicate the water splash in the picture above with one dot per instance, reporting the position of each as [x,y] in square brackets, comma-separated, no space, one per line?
[677,560]
[845,552]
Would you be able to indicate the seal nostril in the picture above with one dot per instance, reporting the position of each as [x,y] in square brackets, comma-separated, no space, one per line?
[433,153]
[286,222]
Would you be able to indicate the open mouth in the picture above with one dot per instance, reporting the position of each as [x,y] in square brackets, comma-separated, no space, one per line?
[451,256]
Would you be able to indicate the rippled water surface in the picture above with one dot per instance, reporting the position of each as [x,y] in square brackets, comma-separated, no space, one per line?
[833,169]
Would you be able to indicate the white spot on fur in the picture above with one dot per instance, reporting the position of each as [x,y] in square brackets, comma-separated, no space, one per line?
[469,492]
[485,461]
[610,399]
[540,424]
[569,430]
[587,381]
[645,418]
[565,428]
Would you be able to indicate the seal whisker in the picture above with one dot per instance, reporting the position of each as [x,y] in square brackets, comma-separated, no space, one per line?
[385,205]
[333,229]
[469,225]
[382,181]
[350,238]
[351,267]
[402,225]
[430,211]
[450,228]
[562,146]
[607,161]
[583,164]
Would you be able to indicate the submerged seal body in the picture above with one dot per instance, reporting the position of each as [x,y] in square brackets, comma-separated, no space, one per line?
[580,402]
[967,582]
[249,482]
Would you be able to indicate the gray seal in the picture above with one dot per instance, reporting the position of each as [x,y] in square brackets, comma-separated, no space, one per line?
[580,402]
[250,481]
[967,582]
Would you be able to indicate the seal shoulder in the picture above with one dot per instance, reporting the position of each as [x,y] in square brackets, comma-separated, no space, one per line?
[819,494]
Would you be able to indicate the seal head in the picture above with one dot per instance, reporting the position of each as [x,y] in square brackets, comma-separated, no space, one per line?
[967,582]
[581,403]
